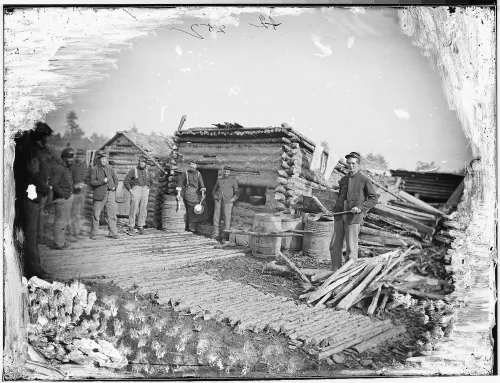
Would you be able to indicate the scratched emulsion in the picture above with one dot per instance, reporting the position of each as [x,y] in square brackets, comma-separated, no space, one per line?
[460,43]
[51,54]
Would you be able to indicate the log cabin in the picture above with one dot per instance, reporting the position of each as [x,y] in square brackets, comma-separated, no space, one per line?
[274,162]
[124,150]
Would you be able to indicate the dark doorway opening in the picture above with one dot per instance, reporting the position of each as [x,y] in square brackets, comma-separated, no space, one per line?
[209,178]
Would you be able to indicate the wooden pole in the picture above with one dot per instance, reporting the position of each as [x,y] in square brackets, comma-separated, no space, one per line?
[421,204]
[294,268]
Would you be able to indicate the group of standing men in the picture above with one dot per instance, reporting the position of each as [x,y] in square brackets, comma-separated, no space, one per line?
[65,190]
[191,189]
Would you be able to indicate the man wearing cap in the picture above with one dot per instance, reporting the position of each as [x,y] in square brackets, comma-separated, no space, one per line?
[103,180]
[190,186]
[225,193]
[356,195]
[138,181]
[32,188]
[62,187]
[78,171]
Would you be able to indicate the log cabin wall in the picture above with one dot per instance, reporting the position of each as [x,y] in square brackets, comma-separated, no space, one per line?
[276,159]
[123,156]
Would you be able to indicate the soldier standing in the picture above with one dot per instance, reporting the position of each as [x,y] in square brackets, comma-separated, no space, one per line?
[78,171]
[31,177]
[138,181]
[225,193]
[103,180]
[358,196]
[62,187]
[190,186]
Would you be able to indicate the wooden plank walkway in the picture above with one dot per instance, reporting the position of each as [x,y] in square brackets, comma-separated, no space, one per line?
[158,263]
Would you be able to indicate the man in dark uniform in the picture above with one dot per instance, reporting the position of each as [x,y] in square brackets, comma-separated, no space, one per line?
[104,180]
[190,186]
[31,177]
[225,193]
[357,195]
[62,186]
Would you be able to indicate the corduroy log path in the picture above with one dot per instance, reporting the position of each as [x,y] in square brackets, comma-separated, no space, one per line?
[159,264]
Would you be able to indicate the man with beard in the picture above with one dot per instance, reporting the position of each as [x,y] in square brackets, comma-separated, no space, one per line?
[190,187]
[62,187]
[32,188]
[103,180]
[138,181]
[225,193]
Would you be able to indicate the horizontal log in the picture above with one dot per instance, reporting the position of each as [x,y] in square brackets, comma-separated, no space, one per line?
[182,141]
[419,203]
[383,241]
[386,211]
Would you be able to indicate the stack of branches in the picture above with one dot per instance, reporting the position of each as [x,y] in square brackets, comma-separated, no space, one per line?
[65,325]
[406,221]
[369,278]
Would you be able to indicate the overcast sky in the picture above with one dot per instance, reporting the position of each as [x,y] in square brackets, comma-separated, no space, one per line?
[350,78]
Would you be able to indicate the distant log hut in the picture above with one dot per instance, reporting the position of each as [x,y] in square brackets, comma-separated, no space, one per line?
[124,150]
[274,162]
[429,187]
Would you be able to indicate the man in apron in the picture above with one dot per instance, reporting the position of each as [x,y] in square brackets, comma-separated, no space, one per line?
[192,189]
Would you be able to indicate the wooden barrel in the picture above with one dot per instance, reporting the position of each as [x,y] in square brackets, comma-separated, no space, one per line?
[291,222]
[263,245]
[172,220]
[317,239]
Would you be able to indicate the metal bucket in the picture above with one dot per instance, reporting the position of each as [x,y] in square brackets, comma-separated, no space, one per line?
[292,222]
[263,246]
[317,239]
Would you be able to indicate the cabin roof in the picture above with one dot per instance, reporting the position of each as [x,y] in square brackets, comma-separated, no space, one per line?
[259,132]
[154,147]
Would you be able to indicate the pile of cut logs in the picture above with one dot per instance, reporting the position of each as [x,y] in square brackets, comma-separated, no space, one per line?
[66,326]
[371,278]
[405,221]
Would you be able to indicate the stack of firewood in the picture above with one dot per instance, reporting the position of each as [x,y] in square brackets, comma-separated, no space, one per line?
[405,221]
[66,326]
[367,281]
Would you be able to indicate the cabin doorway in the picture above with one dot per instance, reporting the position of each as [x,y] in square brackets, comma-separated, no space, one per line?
[210,179]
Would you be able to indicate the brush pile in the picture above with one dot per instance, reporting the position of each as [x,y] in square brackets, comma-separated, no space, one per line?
[66,326]
[374,282]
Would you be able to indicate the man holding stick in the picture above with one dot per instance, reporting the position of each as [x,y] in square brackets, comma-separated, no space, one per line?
[356,195]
